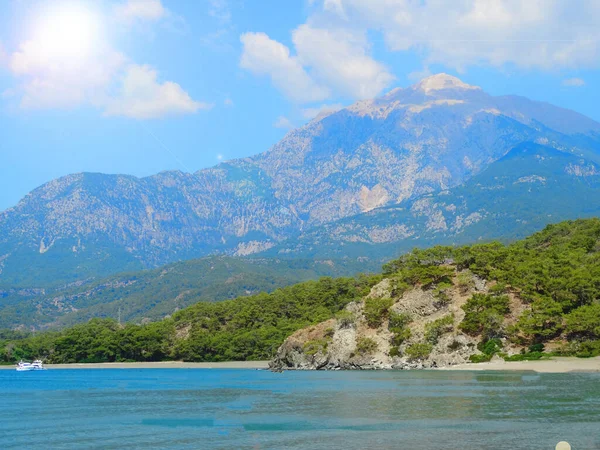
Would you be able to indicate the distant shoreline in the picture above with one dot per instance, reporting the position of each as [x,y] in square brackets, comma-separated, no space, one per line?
[159,365]
[554,365]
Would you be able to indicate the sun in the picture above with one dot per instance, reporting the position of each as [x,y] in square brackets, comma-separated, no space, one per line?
[68,32]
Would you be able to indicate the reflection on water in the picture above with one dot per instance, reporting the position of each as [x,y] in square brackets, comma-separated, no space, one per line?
[161,408]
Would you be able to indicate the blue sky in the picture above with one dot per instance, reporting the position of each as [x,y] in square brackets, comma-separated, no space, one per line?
[142,86]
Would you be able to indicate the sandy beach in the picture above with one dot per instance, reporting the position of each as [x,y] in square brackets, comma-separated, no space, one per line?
[161,365]
[554,365]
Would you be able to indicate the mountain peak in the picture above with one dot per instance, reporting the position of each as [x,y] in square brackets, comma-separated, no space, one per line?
[440,82]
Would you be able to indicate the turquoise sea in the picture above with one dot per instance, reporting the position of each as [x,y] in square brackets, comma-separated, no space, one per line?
[231,409]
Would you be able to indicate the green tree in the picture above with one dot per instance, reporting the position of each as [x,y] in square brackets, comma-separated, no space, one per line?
[484,314]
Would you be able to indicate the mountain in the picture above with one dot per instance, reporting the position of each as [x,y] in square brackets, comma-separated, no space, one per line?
[151,295]
[529,187]
[413,142]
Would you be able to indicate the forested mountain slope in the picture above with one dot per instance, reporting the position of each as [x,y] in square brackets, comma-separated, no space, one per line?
[429,307]
[151,295]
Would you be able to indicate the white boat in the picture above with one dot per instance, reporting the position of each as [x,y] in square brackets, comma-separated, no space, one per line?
[27,367]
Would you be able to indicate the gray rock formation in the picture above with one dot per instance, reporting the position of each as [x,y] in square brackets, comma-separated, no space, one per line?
[349,343]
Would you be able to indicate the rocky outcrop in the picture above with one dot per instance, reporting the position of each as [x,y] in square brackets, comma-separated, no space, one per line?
[348,342]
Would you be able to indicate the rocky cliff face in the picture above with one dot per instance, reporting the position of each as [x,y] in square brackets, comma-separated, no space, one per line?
[428,138]
[428,337]
[513,197]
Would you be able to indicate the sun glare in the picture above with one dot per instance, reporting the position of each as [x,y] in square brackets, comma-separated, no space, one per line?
[69,32]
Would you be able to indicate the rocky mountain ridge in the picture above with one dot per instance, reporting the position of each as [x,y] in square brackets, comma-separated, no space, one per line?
[431,137]
[513,197]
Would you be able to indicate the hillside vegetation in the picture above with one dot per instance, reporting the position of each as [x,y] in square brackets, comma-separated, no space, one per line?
[151,295]
[543,291]
[246,328]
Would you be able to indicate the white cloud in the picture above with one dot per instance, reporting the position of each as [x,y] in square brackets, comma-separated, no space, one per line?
[219,9]
[219,32]
[228,102]
[52,79]
[340,58]
[143,97]
[3,55]
[332,51]
[334,6]
[418,75]
[573,82]
[55,68]
[283,122]
[8,93]
[321,111]
[326,61]
[264,56]
[143,10]
[545,34]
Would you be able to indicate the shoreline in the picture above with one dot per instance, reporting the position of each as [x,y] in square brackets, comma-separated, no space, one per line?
[158,365]
[559,364]
[554,365]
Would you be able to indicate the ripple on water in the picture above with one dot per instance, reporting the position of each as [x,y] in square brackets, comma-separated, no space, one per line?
[161,408]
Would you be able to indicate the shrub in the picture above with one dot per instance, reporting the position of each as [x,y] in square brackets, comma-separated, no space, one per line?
[394,351]
[441,294]
[484,314]
[567,349]
[465,281]
[345,318]
[584,322]
[401,335]
[536,348]
[427,276]
[315,346]
[531,356]
[398,325]
[586,349]
[480,358]
[490,347]
[420,350]
[376,310]
[434,330]
[543,321]
[399,286]
[366,346]
[498,289]
[433,256]
[398,320]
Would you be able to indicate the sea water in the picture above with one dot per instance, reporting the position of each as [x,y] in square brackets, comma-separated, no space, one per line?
[230,409]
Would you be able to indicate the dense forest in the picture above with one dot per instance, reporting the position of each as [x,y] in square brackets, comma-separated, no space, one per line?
[151,295]
[246,328]
[555,272]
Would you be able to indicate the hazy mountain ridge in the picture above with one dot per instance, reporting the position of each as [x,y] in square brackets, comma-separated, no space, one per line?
[515,196]
[430,137]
